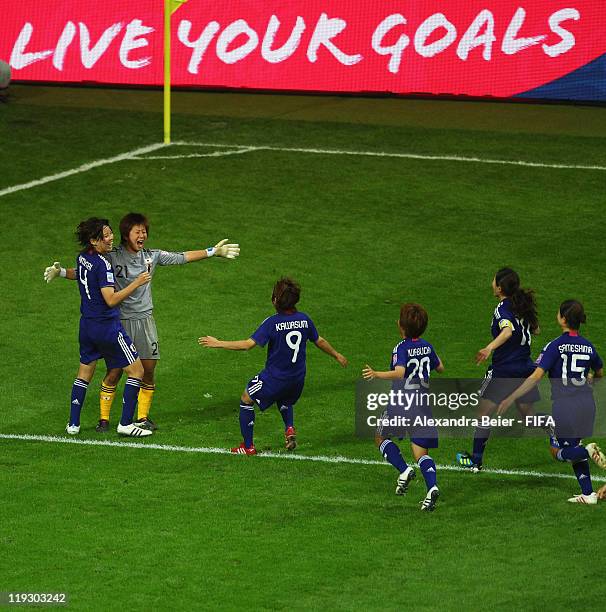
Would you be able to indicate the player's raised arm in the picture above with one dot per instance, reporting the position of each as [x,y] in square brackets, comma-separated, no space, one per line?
[55,270]
[221,249]
[396,374]
[113,298]
[483,354]
[325,346]
[232,345]
[530,383]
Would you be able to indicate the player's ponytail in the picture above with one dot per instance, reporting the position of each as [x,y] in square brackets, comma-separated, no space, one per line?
[574,313]
[523,301]
[286,294]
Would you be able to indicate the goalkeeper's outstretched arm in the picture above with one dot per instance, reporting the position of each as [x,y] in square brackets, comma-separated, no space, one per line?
[325,346]
[55,270]
[221,249]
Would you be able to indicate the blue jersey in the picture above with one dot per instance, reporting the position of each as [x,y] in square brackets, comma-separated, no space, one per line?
[287,335]
[568,359]
[93,272]
[515,353]
[418,357]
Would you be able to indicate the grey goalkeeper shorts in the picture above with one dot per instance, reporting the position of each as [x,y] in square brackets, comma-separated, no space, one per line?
[144,335]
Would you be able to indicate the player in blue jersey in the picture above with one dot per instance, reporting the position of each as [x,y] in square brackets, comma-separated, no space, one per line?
[281,381]
[101,334]
[411,364]
[570,361]
[514,322]
[136,312]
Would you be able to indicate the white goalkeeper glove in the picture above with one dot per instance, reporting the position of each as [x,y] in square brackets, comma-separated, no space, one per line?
[229,251]
[53,271]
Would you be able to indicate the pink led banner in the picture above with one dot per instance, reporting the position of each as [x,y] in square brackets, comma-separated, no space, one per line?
[494,48]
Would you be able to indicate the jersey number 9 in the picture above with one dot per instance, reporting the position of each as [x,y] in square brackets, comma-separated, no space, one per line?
[293,339]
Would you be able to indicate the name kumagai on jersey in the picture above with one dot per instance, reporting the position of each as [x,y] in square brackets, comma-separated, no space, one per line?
[93,272]
[515,353]
[286,336]
[128,266]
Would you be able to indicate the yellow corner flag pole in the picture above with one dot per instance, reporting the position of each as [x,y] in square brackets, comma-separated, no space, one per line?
[170,6]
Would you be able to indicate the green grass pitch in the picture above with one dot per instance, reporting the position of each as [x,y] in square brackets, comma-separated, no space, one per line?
[114,526]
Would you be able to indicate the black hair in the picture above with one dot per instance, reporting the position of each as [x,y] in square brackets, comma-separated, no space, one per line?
[574,313]
[128,222]
[286,294]
[90,229]
[523,301]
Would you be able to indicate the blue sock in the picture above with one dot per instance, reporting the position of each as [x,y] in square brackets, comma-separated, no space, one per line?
[573,454]
[78,394]
[480,438]
[579,457]
[428,468]
[391,452]
[288,416]
[581,471]
[129,400]
[247,423]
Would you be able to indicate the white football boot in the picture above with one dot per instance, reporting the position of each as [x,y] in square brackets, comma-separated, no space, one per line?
[133,431]
[590,500]
[72,430]
[429,503]
[404,479]
[596,454]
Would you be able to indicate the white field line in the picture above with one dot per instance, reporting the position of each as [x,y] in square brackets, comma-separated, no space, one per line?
[237,151]
[269,455]
[136,154]
[455,158]
[80,169]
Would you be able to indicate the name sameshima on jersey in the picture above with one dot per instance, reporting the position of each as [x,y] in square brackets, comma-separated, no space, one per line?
[284,325]
[575,348]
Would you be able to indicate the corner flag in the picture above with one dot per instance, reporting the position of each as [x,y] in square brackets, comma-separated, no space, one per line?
[170,6]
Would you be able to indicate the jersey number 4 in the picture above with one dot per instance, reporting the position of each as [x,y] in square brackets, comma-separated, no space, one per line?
[83,274]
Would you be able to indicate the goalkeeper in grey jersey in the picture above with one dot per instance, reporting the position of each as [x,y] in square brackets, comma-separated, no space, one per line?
[129,260]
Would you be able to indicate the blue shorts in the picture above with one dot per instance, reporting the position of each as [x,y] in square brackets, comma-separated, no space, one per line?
[265,390]
[574,418]
[500,383]
[106,340]
[423,435]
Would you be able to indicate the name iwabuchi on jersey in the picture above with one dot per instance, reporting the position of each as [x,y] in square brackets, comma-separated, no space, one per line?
[93,272]
[568,360]
[418,358]
[286,336]
[515,353]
